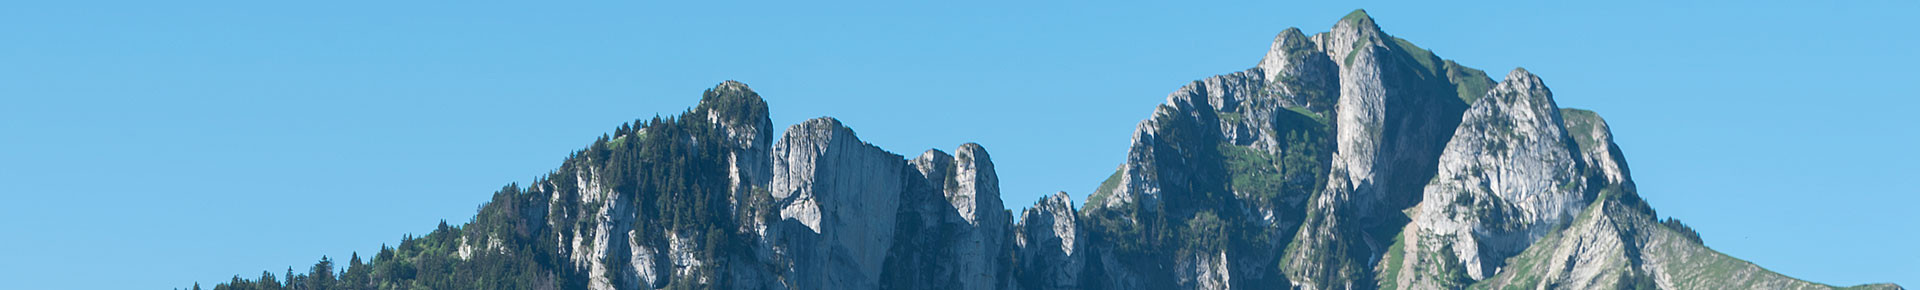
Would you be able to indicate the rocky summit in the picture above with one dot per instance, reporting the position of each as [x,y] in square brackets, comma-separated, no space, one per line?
[1345,159]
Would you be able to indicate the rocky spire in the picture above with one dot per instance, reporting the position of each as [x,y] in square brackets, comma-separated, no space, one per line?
[1285,51]
[1353,32]
[1508,177]
[740,111]
[955,231]
[837,198]
[1391,123]
[742,116]
[976,189]
[1048,238]
[1415,190]
[1595,138]
[976,195]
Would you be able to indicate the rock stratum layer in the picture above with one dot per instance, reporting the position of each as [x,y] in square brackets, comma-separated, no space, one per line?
[1348,159]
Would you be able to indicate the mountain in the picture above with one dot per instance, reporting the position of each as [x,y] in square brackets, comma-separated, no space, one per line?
[1348,159]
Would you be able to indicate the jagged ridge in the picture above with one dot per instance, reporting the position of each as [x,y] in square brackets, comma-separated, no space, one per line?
[1344,159]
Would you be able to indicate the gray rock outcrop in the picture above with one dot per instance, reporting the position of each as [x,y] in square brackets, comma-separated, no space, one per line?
[1393,117]
[1509,177]
[1348,159]
[1050,246]
[749,138]
[837,197]
[955,231]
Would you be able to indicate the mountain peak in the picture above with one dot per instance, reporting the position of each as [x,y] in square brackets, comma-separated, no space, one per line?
[728,90]
[1288,43]
[733,102]
[1522,80]
[1346,166]
[1358,19]
[817,126]
[972,149]
[1522,72]
[1357,15]
[1289,39]
[1353,34]
[732,84]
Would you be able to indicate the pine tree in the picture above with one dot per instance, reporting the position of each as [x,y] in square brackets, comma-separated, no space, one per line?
[320,277]
[267,281]
[356,275]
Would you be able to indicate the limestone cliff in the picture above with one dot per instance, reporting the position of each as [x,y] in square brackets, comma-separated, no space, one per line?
[1348,159]
[1508,177]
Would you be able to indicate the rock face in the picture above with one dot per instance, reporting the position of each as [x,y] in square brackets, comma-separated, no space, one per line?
[1049,245]
[749,135]
[836,196]
[1394,114]
[1251,108]
[1348,159]
[1508,177]
[1177,173]
[1438,177]
[956,230]
[975,194]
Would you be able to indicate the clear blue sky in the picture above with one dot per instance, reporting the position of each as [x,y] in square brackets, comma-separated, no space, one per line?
[152,144]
